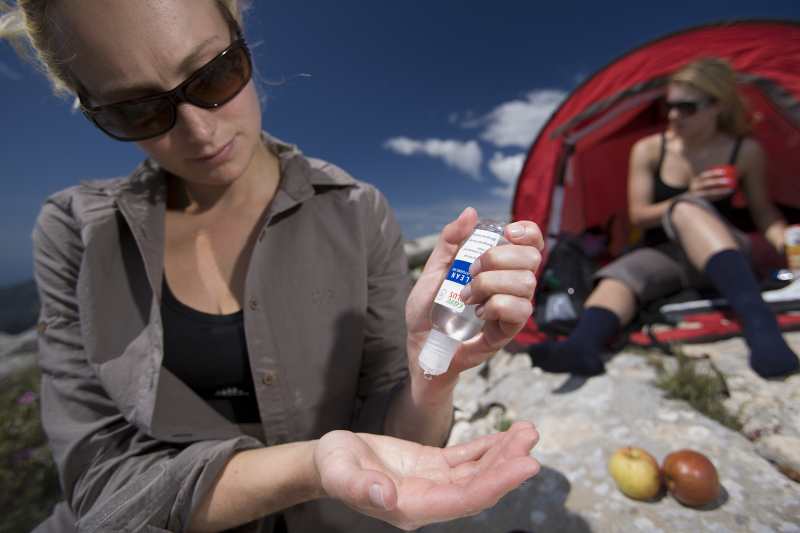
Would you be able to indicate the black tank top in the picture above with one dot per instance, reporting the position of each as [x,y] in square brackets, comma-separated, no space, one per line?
[663,192]
[209,353]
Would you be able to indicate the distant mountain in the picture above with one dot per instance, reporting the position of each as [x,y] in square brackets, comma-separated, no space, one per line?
[19,307]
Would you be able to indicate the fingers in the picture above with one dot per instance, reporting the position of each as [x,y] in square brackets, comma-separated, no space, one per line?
[508,270]
[472,450]
[506,308]
[483,471]
[480,453]
[519,257]
[511,474]
[518,283]
[525,233]
[502,295]
[502,469]
[518,441]
[711,185]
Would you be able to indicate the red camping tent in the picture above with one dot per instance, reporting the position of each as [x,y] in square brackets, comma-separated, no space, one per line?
[575,174]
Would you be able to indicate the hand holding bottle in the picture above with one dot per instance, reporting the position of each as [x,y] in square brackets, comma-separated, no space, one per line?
[502,287]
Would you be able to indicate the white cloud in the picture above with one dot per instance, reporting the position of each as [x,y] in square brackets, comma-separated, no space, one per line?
[516,123]
[507,169]
[511,124]
[463,156]
[6,71]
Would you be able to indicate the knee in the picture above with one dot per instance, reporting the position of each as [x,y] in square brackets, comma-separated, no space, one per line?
[682,215]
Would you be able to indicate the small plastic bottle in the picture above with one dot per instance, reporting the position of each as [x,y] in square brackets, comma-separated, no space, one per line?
[452,320]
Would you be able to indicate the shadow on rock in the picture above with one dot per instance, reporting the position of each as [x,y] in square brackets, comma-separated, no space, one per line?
[536,506]
[574,383]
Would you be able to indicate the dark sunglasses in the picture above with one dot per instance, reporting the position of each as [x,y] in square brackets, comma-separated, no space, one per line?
[688,108]
[216,83]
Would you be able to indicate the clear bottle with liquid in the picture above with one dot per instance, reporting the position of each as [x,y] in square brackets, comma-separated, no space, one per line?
[453,321]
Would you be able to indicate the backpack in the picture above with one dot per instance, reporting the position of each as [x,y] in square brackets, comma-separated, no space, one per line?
[563,288]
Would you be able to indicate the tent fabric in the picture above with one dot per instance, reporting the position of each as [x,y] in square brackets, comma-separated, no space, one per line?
[580,157]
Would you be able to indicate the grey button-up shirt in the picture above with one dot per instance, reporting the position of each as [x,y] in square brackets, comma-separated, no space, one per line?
[324,299]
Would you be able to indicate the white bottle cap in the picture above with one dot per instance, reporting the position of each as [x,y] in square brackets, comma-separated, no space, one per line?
[437,353]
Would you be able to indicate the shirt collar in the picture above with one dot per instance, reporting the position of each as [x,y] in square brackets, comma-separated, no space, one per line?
[299,175]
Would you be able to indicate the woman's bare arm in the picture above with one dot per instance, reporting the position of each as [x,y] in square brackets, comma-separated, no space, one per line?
[643,213]
[255,483]
[753,176]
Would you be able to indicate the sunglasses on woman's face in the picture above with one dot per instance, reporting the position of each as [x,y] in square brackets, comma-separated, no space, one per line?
[688,108]
[216,83]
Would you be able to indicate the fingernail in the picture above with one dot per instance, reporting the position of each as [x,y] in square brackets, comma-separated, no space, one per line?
[376,495]
[463,212]
[479,311]
[475,269]
[516,230]
[466,292]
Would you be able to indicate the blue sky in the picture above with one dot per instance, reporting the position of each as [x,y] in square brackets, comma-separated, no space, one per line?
[434,101]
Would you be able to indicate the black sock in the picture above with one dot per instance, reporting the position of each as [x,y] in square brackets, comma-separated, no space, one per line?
[579,353]
[730,273]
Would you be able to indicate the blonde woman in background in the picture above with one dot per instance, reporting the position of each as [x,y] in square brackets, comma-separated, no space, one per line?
[684,206]
[215,325]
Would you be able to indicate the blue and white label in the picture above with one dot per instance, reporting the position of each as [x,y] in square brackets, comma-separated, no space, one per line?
[459,272]
[449,294]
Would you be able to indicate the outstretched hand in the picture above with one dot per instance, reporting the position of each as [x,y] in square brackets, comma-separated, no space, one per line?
[503,283]
[410,485]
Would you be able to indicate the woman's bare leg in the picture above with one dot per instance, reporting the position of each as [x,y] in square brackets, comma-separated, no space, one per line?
[615,296]
[712,250]
[701,234]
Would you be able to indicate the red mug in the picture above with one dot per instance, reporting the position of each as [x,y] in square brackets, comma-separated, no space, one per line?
[728,175]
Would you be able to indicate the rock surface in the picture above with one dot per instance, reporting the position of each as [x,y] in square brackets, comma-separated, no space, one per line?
[583,422]
[769,411]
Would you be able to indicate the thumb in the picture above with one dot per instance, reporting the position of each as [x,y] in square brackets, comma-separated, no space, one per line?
[371,489]
[451,238]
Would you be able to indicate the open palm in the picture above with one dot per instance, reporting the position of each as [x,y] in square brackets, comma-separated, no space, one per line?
[410,485]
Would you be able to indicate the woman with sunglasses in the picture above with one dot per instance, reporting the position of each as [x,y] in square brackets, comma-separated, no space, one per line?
[684,205]
[232,293]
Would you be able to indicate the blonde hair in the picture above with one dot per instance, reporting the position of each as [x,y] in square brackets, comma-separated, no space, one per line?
[716,79]
[29,28]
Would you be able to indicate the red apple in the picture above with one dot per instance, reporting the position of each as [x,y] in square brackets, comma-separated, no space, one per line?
[691,478]
[635,472]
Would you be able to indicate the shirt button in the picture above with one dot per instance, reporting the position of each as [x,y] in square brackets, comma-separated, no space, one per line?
[279,441]
[254,304]
[268,379]
[261,237]
[299,508]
